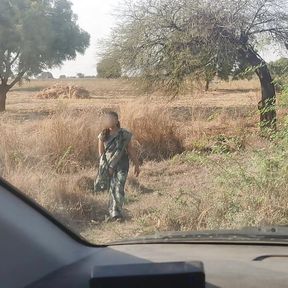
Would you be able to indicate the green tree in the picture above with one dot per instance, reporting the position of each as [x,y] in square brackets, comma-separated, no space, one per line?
[80,75]
[279,71]
[279,68]
[108,67]
[237,70]
[167,41]
[36,35]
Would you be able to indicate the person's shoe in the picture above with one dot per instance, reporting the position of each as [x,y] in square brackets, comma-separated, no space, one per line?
[118,218]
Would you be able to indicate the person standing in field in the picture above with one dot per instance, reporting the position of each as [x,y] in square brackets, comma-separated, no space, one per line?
[115,150]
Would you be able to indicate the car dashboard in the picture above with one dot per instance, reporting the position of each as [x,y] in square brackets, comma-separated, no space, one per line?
[225,265]
[39,252]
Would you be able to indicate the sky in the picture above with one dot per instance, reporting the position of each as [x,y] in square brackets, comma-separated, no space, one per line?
[96,17]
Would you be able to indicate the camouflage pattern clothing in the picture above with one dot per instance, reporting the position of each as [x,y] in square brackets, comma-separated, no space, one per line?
[116,157]
[116,193]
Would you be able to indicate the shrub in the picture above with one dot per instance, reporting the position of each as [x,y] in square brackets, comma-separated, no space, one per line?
[11,149]
[109,68]
[283,99]
[69,141]
[254,192]
[156,136]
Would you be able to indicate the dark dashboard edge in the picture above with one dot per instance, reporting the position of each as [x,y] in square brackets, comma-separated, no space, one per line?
[33,204]
[199,242]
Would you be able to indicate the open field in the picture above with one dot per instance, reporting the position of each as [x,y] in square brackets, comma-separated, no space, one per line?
[205,166]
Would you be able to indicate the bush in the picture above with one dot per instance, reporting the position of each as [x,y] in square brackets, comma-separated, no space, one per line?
[70,142]
[156,136]
[283,99]
[11,149]
[109,68]
[254,191]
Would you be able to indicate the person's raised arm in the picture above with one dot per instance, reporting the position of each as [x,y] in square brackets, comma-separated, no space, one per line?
[133,156]
[101,148]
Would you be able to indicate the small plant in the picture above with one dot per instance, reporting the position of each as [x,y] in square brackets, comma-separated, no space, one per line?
[227,144]
[283,97]
[190,157]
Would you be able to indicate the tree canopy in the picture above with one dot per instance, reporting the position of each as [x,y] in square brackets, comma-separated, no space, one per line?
[109,67]
[36,35]
[167,41]
[279,68]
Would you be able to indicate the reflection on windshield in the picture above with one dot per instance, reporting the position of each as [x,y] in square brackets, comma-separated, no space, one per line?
[178,131]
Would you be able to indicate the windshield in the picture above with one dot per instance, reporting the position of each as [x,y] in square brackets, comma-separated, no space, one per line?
[133,118]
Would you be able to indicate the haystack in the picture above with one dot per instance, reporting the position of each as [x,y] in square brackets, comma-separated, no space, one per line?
[64,92]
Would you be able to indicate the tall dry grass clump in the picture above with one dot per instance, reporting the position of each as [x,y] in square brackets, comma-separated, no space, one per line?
[157,137]
[64,142]
[46,158]
[11,148]
[68,140]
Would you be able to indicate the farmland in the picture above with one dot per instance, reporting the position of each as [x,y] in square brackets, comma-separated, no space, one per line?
[204,163]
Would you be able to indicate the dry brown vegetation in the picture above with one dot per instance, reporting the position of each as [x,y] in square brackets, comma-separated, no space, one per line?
[201,167]
[64,92]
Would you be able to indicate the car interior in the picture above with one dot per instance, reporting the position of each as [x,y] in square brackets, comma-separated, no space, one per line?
[143,144]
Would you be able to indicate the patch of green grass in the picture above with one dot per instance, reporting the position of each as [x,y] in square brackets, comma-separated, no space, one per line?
[227,144]
[190,157]
[253,190]
[283,97]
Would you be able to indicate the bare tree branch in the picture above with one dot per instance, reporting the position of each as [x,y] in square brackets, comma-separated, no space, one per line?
[16,79]
[255,18]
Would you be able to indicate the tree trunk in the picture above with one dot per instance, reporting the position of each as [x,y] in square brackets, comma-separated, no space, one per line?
[267,105]
[3,94]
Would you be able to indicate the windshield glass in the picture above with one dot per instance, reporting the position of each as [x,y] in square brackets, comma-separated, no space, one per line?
[130,118]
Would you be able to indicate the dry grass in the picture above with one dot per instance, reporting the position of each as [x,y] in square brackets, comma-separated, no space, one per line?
[157,136]
[69,140]
[58,156]
[64,92]
[48,148]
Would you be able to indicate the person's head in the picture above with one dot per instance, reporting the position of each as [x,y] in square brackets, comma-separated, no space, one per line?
[111,120]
